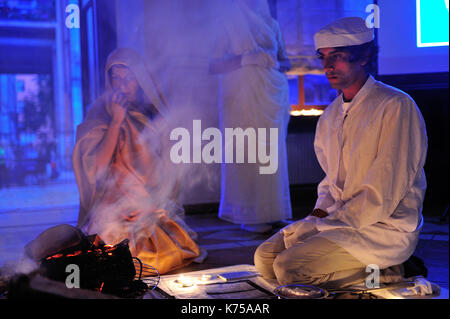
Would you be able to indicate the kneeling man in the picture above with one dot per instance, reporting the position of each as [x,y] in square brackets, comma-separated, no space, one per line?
[371,143]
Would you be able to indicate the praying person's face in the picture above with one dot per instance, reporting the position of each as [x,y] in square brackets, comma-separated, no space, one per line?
[124,80]
[340,72]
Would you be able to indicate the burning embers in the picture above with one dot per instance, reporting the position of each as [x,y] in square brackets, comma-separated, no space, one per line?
[106,249]
[105,268]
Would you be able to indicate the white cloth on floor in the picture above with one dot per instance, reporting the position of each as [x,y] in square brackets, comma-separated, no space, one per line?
[422,287]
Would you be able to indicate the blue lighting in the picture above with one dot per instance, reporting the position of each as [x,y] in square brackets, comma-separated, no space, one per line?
[432,23]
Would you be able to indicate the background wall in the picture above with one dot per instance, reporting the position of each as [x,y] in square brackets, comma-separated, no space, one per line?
[175,40]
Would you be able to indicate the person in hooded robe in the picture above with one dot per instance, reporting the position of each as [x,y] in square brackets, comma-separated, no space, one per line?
[122,169]
[250,57]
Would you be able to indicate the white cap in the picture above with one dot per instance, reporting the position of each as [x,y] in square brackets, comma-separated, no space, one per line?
[343,32]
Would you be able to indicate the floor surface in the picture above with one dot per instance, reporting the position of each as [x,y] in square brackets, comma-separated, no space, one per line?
[26,212]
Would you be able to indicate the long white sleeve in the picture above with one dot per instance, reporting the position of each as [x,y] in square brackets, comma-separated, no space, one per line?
[324,198]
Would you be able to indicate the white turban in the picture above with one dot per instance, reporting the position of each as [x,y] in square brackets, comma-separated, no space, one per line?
[343,32]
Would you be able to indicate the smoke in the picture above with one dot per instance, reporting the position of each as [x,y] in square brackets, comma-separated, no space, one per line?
[178,40]
[169,185]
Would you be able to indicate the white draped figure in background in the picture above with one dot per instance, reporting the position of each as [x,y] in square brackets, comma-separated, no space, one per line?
[250,57]
[371,143]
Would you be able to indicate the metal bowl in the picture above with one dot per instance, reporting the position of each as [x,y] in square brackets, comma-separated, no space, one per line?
[300,292]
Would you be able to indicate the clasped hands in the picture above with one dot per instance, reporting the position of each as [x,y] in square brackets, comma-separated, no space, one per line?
[302,229]
[119,105]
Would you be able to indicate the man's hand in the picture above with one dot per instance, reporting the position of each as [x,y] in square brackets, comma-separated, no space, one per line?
[299,231]
[319,213]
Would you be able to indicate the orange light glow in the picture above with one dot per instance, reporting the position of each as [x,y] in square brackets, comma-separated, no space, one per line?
[109,249]
[310,112]
[78,252]
[184,282]
[297,110]
[55,256]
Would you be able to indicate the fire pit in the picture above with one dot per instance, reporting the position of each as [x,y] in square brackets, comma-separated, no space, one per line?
[109,269]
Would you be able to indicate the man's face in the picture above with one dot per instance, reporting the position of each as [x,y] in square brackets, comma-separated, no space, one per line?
[340,72]
[124,80]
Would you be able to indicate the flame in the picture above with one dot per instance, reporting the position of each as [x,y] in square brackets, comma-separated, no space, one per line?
[101,287]
[184,282]
[78,252]
[309,112]
[105,249]
[109,248]
[55,256]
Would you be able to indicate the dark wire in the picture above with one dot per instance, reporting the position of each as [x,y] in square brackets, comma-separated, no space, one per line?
[140,268]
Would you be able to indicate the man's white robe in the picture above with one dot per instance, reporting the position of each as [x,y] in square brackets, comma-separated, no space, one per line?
[373,156]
